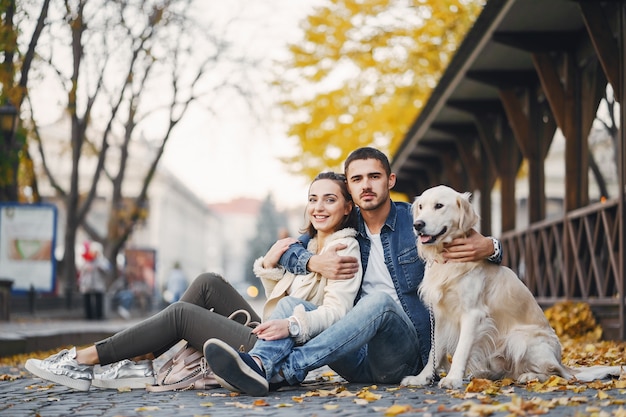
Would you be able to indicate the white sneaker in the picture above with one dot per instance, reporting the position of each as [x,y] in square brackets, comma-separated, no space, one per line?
[125,374]
[63,369]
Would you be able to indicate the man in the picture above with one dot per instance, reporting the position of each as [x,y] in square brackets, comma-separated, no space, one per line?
[387,335]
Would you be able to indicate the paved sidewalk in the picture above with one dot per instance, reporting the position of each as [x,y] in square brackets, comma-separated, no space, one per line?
[323,394]
[326,396]
[31,334]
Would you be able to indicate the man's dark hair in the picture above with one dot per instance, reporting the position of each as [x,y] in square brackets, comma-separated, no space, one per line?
[367,153]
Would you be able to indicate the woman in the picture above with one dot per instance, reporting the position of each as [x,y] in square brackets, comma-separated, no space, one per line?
[203,311]
[297,318]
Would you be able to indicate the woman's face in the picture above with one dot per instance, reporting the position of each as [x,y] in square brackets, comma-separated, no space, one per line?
[327,206]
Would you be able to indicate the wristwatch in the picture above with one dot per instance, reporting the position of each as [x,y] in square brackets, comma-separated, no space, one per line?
[497,251]
[294,327]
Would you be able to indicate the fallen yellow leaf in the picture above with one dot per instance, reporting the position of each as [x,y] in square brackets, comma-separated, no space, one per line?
[147,408]
[394,410]
[260,403]
[478,385]
[369,396]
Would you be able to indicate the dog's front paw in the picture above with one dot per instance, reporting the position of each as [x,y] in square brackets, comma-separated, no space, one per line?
[450,383]
[531,376]
[415,380]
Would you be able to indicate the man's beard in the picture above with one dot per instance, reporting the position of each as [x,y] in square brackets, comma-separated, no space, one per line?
[372,205]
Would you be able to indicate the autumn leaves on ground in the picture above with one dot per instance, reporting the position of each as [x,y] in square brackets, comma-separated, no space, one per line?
[582,346]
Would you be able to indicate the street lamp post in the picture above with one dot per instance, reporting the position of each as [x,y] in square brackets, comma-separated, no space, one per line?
[8,115]
[9,159]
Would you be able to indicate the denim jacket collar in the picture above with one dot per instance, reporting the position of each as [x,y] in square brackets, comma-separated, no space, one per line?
[390,222]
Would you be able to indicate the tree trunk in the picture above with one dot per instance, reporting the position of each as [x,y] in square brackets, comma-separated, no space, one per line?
[68,266]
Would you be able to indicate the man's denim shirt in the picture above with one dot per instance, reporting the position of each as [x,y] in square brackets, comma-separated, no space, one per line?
[404,265]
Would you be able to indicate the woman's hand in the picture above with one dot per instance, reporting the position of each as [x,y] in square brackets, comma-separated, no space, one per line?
[272,329]
[271,258]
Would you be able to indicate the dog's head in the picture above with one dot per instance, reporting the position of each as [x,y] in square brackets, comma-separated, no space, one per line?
[441,214]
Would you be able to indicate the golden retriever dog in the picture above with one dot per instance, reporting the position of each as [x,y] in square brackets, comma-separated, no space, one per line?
[485,317]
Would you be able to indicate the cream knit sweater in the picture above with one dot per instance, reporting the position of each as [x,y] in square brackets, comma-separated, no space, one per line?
[334,297]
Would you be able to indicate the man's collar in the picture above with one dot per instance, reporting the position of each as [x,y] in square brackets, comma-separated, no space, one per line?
[389,222]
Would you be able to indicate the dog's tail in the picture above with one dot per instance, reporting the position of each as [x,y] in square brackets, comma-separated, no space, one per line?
[592,373]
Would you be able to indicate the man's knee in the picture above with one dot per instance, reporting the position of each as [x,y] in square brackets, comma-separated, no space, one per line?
[288,303]
[377,301]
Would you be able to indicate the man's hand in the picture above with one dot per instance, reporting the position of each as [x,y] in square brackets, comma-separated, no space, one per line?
[333,266]
[474,247]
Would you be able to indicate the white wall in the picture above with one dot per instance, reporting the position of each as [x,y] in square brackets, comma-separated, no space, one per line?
[179,223]
[177,227]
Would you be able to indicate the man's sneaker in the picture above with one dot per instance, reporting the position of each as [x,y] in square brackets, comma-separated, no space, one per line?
[63,369]
[233,370]
[125,374]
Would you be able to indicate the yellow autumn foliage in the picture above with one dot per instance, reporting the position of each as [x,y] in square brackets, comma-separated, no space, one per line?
[574,320]
[362,73]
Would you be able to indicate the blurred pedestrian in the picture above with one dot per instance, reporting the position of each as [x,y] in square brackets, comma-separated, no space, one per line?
[92,281]
[176,284]
[123,296]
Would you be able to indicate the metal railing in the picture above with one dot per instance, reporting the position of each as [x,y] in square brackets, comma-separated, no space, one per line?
[573,258]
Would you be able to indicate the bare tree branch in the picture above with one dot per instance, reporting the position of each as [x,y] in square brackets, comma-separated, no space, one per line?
[128,68]
[44,161]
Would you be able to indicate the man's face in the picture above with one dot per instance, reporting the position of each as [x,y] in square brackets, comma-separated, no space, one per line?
[368,183]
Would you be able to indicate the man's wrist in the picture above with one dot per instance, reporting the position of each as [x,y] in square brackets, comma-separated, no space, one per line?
[307,265]
[497,251]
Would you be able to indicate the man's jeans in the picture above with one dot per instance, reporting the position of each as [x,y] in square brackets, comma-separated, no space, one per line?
[374,343]
[273,352]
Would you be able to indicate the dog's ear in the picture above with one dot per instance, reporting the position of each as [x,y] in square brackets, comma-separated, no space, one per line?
[468,217]
[415,207]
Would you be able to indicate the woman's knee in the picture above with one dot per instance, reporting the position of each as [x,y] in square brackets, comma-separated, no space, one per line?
[176,308]
[204,283]
[209,279]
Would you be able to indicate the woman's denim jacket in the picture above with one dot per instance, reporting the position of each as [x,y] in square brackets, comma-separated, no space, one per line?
[404,265]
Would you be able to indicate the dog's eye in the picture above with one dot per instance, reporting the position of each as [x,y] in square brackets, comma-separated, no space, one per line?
[438,206]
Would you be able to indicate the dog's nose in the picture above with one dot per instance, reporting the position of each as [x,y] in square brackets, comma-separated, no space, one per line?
[419,225]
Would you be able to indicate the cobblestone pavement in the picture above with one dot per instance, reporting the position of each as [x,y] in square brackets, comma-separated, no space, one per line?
[323,394]
[320,395]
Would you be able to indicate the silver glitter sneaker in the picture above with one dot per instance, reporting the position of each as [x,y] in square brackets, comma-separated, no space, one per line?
[63,369]
[125,374]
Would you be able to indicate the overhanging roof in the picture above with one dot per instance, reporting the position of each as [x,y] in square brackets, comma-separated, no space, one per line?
[485,61]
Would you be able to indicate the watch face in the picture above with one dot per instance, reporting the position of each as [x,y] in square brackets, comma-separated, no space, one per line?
[294,329]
